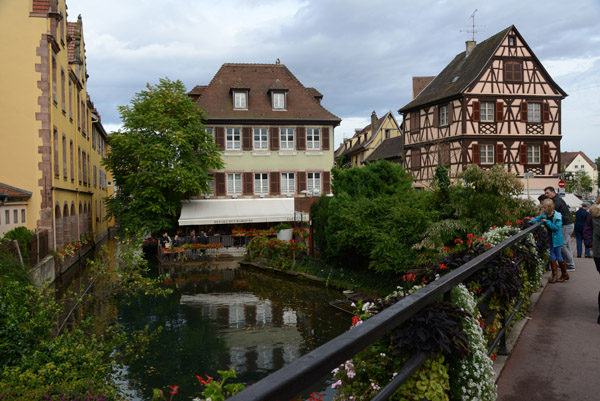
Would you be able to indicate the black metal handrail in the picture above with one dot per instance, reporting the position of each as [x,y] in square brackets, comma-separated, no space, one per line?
[291,380]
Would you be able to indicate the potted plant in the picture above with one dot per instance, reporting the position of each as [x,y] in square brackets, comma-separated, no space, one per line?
[284,231]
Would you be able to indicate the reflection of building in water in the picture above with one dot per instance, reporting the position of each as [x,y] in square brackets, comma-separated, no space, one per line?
[259,334]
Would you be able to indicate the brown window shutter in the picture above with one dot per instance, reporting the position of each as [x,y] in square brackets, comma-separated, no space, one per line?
[436,117]
[546,107]
[517,72]
[246,138]
[523,112]
[417,120]
[326,182]
[220,184]
[325,144]
[476,111]
[450,113]
[274,180]
[476,154]
[301,139]
[509,71]
[546,154]
[220,138]
[248,184]
[274,138]
[499,112]
[499,153]
[523,154]
[301,181]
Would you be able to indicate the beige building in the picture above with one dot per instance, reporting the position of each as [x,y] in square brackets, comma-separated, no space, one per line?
[382,139]
[52,137]
[276,140]
[577,162]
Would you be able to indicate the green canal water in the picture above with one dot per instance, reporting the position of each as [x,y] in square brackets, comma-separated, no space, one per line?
[220,316]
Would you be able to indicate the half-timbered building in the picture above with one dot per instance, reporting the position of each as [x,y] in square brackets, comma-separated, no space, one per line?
[495,103]
[355,151]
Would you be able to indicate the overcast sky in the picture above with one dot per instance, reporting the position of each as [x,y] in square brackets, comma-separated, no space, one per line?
[360,54]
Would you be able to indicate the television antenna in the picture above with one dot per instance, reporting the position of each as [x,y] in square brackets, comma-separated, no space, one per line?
[472,30]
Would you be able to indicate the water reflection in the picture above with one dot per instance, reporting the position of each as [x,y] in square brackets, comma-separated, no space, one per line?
[222,316]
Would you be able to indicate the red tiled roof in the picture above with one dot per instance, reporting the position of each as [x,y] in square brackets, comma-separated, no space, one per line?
[568,157]
[13,192]
[216,99]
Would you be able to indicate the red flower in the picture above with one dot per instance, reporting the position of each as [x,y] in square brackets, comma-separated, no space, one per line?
[443,266]
[355,320]
[174,390]
[458,241]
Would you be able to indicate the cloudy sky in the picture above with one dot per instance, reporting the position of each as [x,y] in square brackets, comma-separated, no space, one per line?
[361,54]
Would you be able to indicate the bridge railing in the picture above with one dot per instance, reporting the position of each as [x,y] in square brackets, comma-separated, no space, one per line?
[289,381]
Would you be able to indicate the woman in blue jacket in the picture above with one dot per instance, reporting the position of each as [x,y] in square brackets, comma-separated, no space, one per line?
[553,220]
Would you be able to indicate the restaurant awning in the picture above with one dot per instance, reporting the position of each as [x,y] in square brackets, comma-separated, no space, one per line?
[236,211]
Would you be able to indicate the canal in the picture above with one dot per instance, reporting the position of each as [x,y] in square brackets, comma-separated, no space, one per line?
[221,316]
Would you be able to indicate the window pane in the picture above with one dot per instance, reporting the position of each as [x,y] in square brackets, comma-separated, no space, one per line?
[487,111]
[260,138]
[240,100]
[286,138]
[444,115]
[278,100]
[533,112]
[233,140]
[22,215]
[288,185]
[313,138]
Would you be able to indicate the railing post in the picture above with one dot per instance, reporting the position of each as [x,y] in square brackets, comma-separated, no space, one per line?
[503,350]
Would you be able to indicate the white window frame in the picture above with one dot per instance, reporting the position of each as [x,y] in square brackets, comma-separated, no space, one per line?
[288,179]
[240,100]
[15,216]
[534,112]
[210,131]
[486,154]
[260,139]
[23,214]
[443,115]
[233,138]
[279,100]
[261,183]
[313,138]
[487,112]
[534,154]
[313,182]
[284,142]
[234,183]
[7,217]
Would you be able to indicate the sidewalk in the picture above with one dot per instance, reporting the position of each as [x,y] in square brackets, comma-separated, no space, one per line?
[557,356]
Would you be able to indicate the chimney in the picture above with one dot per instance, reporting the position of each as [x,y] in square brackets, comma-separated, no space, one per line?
[373,122]
[470,46]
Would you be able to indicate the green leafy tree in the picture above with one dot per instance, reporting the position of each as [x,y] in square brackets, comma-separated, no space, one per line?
[374,219]
[579,183]
[161,156]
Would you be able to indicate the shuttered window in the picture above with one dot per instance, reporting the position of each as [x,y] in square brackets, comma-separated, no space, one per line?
[286,139]
[260,139]
[261,183]
[513,71]
[288,183]
[313,182]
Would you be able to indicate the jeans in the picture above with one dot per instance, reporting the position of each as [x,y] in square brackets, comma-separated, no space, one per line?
[566,248]
[579,239]
[555,254]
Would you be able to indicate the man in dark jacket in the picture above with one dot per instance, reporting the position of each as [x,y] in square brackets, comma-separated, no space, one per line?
[567,228]
[580,217]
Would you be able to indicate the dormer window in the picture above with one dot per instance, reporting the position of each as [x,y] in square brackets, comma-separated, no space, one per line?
[240,100]
[278,99]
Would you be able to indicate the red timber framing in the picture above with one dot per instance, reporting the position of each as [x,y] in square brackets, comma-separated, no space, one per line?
[502,108]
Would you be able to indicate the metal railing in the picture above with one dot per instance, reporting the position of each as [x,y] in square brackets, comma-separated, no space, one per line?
[291,380]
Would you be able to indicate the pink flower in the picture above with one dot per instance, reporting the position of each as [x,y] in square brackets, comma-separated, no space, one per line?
[336,384]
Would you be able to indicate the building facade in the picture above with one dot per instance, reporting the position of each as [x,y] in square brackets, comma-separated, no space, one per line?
[493,104]
[382,132]
[579,162]
[52,137]
[276,140]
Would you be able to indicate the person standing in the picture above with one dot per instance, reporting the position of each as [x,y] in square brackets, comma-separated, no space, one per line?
[580,217]
[591,237]
[553,221]
[203,239]
[567,227]
[164,242]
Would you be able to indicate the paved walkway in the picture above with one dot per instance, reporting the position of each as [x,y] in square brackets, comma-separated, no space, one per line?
[557,356]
